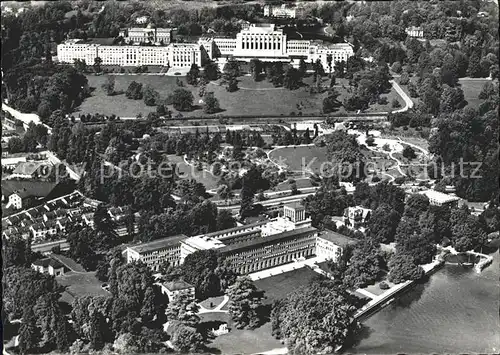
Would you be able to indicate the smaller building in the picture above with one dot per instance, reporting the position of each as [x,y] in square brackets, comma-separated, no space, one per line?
[437,198]
[156,252]
[48,266]
[416,32]
[356,216]
[32,169]
[174,288]
[330,245]
[282,11]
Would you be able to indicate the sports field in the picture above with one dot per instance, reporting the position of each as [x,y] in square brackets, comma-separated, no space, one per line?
[300,159]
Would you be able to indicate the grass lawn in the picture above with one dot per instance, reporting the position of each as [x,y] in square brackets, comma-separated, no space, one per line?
[299,158]
[471,89]
[280,286]
[185,171]
[78,285]
[241,341]
[300,183]
[253,98]
[214,300]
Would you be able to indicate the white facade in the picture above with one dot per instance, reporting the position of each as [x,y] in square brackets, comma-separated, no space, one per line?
[338,52]
[173,55]
[261,41]
[416,32]
[15,201]
[147,34]
[281,11]
[327,249]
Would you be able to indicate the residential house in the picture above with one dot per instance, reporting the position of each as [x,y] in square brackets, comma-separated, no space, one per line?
[437,198]
[48,266]
[22,194]
[356,216]
[174,288]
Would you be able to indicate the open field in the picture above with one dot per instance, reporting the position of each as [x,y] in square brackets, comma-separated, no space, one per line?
[241,341]
[80,284]
[299,158]
[280,286]
[185,171]
[299,182]
[253,98]
[471,89]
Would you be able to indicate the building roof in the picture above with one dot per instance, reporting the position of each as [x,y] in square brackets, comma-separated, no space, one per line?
[46,262]
[336,238]
[25,188]
[29,167]
[270,239]
[158,244]
[295,206]
[177,285]
[234,229]
[439,196]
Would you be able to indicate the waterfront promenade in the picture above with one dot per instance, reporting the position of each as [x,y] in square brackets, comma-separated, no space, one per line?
[380,299]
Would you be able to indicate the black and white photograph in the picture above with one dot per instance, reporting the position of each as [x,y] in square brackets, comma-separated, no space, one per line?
[250,177]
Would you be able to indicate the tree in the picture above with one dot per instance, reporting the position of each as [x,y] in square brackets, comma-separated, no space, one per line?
[314,319]
[365,266]
[247,195]
[232,85]
[302,67]
[255,68]
[409,153]
[244,303]
[17,252]
[403,268]
[97,64]
[109,85]
[184,309]
[29,334]
[395,103]
[329,61]
[134,91]
[232,68]
[151,96]
[452,99]
[187,339]
[292,79]
[225,220]
[15,145]
[97,329]
[331,103]
[211,71]
[416,205]
[318,68]
[182,100]
[199,270]
[211,103]
[193,74]
[383,223]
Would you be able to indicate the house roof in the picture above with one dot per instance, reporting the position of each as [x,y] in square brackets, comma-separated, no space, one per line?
[336,238]
[177,285]
[267,240]
[46,262]
[158,244]
[439,196]
[25,188]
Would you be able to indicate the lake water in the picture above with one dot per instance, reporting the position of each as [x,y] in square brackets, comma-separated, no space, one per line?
[455,311]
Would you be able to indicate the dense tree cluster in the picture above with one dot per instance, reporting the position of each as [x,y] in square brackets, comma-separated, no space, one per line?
[314,319]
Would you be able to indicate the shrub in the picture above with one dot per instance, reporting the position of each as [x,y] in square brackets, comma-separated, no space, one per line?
[383,285]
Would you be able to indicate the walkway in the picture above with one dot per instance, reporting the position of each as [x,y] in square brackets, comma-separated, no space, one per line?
[377,300]
[217,309]
[408,102]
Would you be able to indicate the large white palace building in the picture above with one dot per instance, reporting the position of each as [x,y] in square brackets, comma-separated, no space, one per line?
[261,41]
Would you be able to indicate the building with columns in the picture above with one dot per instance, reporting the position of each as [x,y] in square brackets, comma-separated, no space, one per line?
[262,41]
